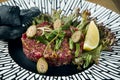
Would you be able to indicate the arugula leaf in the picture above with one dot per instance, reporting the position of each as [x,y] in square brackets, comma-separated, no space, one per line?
[56,15]
[92,55]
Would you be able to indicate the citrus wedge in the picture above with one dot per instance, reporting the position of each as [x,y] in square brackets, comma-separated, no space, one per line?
[92,37]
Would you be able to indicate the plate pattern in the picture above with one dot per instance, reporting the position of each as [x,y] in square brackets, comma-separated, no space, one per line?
[109,64]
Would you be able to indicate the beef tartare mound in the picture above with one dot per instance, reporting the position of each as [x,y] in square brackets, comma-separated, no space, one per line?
[34,50]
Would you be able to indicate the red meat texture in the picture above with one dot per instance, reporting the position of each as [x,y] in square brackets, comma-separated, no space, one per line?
[34,51]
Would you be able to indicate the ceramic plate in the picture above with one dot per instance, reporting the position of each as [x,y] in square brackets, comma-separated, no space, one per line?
[14,65]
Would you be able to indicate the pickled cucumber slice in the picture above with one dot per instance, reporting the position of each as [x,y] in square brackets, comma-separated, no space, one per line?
[76,36]
[42,65]
[31,31]
[57,24]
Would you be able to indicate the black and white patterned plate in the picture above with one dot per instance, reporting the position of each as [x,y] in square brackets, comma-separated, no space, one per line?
[109,64]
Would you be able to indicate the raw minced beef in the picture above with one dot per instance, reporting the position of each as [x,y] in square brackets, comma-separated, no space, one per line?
[34,51]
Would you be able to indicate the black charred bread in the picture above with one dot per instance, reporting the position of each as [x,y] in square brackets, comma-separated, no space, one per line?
[10,15]
[12,19]
[4,32]
[7,32]
[28,14]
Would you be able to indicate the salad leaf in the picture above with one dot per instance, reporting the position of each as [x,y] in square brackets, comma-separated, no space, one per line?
[72,17]
[95,54]
[41,18]
[85,15]
[69,19]
[107,37]
[56,15]
[87,60]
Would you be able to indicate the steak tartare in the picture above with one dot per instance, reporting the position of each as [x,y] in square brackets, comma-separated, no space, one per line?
[57,40]
[34,50]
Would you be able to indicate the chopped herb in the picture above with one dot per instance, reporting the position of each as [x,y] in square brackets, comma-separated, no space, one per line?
[42,39]
[77,52]
[71,43]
